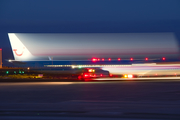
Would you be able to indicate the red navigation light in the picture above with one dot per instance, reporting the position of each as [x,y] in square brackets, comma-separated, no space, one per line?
[146,58]
[119,59]
[101,75]
[131,59]
[98,59]
[163,58]
[110,75]
[102,59]
[109,59]
[94,59]
[79,77]
[86,75]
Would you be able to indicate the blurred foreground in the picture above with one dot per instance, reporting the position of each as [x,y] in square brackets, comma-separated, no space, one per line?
[158,99]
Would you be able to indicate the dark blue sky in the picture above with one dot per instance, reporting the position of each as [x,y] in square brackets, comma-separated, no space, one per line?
[86,16]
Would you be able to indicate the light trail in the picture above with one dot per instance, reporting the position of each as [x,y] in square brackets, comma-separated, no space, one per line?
[149,78]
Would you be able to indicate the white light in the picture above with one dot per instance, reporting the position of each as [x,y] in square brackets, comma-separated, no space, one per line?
[130,76]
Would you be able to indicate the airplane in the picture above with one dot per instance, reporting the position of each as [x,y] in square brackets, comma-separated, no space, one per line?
[91,53]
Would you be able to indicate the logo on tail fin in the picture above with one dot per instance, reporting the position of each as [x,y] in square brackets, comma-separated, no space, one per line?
[19,52]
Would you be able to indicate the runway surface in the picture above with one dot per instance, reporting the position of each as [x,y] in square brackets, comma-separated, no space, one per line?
[155,99]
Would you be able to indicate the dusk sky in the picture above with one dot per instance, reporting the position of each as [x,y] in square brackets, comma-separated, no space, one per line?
[87,16]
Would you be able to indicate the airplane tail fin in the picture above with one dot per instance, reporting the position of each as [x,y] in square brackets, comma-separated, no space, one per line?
[20,52]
